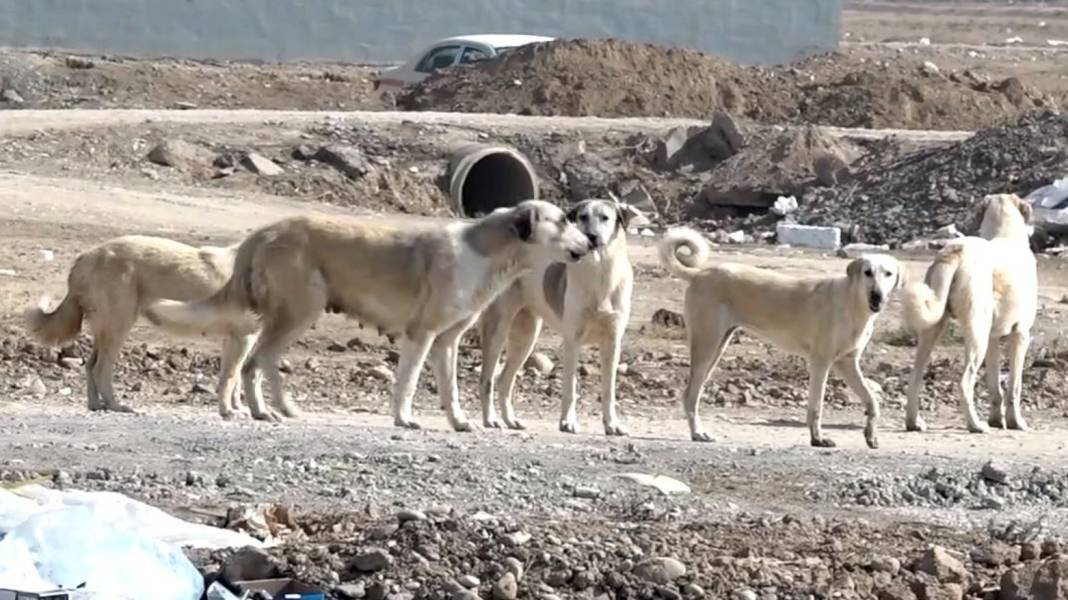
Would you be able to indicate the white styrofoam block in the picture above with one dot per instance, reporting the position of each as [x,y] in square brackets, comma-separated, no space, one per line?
[809,236]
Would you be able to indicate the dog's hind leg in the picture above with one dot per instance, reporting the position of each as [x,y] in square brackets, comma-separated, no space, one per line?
[413,352]
[493,328]
[817,387]
[706,348]
[443,356]
[234,350]
[610,351]
[92,395]
[976,336]
[108,338]
[526,327]
[996,417]
[1018,344]
[848,368]
[925,344]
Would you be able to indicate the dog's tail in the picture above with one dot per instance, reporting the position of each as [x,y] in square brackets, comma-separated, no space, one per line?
[229,311]
[58,326]
[925,303]
[688,265]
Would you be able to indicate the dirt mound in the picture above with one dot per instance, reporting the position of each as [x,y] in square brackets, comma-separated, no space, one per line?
[612,78]
[915,195]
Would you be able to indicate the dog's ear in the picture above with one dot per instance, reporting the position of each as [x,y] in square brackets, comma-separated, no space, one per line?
[855,268]
[626,213]
[902,277]
[1025,207]
[523,223]
[572,215]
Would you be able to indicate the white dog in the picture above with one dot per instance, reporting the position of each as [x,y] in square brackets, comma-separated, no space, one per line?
[425,284]
[586,302]
[990,285]
[828,320]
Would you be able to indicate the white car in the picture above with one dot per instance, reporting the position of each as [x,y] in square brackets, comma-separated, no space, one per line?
[445,53]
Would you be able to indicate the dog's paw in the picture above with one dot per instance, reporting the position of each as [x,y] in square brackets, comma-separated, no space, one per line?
[493,423]
[568,427]
[462,426]
[268,415]
[700,436]
[614,430]
[123,408]
[978,427]
[916,425]
[823,443]
[1018,424]
[872,441]
[407,423]
[996,421]
[515,424]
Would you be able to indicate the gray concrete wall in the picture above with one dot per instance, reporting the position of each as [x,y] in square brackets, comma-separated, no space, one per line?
[390,30]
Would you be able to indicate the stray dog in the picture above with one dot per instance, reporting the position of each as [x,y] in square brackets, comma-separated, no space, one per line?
[427,285]
[989,284]
[110,285]
[586,302]
[828,320]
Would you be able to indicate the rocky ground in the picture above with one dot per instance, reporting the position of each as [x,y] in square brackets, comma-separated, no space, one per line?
[368,511]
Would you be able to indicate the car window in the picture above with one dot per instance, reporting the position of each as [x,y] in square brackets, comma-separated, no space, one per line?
[438,58]
[472,54]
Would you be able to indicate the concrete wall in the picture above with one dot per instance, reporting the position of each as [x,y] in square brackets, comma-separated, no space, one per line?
[391,30]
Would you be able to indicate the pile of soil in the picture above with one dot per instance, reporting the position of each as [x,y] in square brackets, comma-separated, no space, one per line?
[51,81]
[913,196]
[612,78]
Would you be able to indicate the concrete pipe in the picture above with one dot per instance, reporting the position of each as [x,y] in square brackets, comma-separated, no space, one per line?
[484,177]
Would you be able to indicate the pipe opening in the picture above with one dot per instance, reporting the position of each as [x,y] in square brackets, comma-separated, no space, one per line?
[485,178]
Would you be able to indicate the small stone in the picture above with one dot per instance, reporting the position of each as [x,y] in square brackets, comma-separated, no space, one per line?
[517,538]
[350,161]
[662,570]
[514,566]
[382,373]
[351,591]
[469,581]
[943,566]
[886,564]
[70,363]
[37,387]
[382,532]
[411,515]
[11,96]
[558,577]
[373,560]
[693,590]
[1050,548]
[77,62]
[930,68]
[506,588]
[194,479]
[200,388]
[995,473]
[250,563]
[1030,551]
[261,165]
[745,595]
[939,591]
[590,493]
[541,363]
[336,347]
[1051,579]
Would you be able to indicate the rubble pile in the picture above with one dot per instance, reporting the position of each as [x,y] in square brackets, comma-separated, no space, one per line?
[912,196]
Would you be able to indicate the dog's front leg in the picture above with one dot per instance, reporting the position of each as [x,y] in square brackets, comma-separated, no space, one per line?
[412,356]
[443,357]
[568,411]
[610,349]
[848,368]
[817,384]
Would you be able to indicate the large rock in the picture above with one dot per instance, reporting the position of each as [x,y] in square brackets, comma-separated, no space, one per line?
[506,588]
[942,566]
[184,156]
[350,161]
[1051,580]
[250,563]
[261,165]
[660,570]
[375,559]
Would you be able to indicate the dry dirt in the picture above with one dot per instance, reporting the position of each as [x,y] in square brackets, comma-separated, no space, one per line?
[767,516]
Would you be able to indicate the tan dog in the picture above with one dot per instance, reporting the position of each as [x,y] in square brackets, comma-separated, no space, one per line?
[110,285]
[425,284]
[990,285]
[828,320]
[586,302]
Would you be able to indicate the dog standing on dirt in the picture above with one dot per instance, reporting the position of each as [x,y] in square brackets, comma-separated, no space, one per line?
[586,302]
[427,285]
[110,285]
[827,320]
[989,284]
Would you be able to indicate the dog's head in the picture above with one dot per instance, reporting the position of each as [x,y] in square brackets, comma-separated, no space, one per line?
[875,277]
[547,227]
[1004,215]
[602,221]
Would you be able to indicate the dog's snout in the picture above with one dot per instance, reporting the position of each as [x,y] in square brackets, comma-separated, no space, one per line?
[595,242]
[875,301]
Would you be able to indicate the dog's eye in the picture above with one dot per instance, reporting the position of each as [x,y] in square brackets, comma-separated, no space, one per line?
[584,218]
[604,218]
[868,273]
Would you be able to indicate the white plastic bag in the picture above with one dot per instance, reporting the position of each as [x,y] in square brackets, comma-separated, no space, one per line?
[1050,196]
[71,546]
